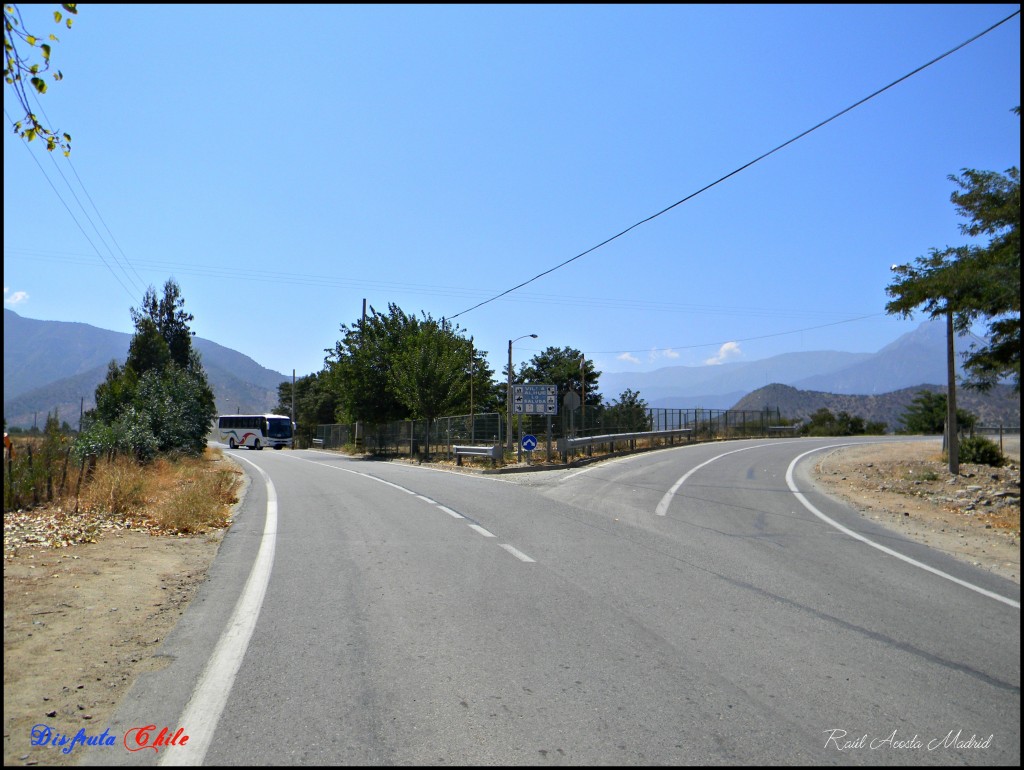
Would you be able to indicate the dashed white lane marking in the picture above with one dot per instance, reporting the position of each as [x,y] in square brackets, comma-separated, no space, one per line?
[211,693]
[450,512]
[856,536]
[517,553]
[455,515]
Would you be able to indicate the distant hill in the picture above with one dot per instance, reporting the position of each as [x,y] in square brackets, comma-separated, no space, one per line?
[1001,406]
[718,387]
[916,357]
[55,364]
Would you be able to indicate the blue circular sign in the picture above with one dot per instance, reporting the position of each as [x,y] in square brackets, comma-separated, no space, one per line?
[529,443]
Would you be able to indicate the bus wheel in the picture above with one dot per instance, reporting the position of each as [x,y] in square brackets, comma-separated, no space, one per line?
[232,444]
[257,445]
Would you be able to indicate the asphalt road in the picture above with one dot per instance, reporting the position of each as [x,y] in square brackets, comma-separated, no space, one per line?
[696,605]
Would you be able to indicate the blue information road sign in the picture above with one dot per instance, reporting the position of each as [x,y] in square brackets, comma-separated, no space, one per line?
[535,399]
[529,443]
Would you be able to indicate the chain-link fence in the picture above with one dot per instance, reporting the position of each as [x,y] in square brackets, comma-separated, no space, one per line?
[409,437]
[608,420]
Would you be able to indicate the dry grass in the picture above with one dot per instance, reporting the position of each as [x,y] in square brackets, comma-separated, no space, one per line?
[176,496]
[116,487]
[195,495]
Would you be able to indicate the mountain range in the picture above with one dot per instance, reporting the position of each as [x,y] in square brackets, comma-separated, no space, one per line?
[1001,406]
[57,365]
[918,357]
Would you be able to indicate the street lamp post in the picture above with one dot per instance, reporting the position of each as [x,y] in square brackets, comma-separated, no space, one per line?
[508,396]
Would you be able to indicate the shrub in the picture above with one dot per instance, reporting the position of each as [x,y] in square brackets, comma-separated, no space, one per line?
[981,451]
[129,435]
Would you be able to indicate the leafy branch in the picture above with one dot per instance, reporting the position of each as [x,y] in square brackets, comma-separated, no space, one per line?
[20,67]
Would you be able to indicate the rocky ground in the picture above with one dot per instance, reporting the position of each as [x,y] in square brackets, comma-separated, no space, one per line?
[83,619]
[974,516]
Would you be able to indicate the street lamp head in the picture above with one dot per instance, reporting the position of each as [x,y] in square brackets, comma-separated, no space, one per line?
[534,336]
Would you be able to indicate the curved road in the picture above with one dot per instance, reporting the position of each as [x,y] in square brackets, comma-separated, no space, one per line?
[696,605]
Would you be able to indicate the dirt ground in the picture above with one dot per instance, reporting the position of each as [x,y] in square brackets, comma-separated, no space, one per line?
[81,621]
[907,487]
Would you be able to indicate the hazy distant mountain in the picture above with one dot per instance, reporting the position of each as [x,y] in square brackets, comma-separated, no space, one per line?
[1000,406]
[37,353]
[723,384]
[916,357]
[55,364]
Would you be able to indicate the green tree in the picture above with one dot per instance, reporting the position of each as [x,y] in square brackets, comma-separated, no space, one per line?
[629,413]
[115,393]
[926,415]
[824,423]
[965,283]
[315,403]
[19,67]
[487,395]
[392,366]
[173,403]
[358,367]
[430,371]
[148,350]
[974,282]
[991,202]
[160,400]
[168,316]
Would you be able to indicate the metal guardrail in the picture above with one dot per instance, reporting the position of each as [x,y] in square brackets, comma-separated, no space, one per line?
[494,452]
[565,444]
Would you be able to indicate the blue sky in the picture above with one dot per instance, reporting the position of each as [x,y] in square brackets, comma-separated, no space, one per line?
[284,163]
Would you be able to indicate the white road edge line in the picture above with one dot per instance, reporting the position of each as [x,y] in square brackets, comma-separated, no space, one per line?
[204,708]
[666,500]
[809,506]
[517,553]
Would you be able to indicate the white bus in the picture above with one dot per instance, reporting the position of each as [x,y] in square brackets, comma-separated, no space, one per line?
[255,431]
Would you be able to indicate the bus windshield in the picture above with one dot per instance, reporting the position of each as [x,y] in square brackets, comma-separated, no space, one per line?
[279,427]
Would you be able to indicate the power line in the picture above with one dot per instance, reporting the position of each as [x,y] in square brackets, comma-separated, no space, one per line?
[741,168]
[328,281]
[140,285]
[71,213]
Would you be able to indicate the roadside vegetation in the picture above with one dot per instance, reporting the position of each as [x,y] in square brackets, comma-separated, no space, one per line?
[824,423]
[50,498]
[140,460]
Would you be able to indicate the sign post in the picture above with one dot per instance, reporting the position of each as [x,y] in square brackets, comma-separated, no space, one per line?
[534,399]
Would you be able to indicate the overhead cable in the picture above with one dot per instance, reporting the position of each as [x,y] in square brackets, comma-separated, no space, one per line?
[738,170]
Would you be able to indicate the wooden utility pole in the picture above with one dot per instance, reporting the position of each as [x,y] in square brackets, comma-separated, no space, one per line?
[952,442]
